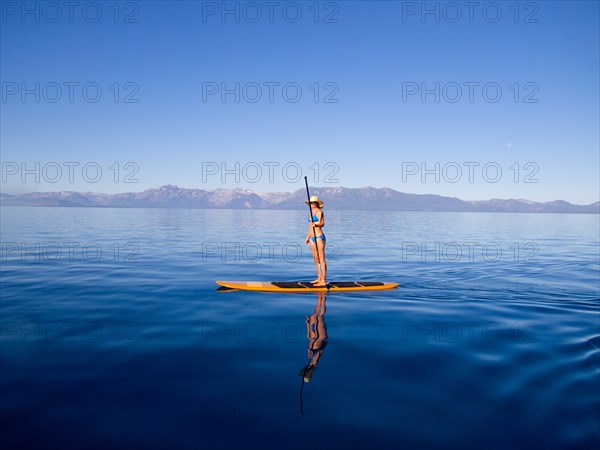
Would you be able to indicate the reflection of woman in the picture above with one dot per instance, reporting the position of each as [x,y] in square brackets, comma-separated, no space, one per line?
[316,332]
[316,237]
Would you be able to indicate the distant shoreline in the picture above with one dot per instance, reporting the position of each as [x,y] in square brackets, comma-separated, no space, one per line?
[339,198]
[290,209]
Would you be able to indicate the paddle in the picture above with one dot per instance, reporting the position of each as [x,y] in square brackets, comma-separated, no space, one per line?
[312,221]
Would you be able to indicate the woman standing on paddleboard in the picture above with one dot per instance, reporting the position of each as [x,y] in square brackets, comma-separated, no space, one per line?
[317,239]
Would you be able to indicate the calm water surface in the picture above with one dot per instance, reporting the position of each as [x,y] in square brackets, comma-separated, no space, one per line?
[113,335]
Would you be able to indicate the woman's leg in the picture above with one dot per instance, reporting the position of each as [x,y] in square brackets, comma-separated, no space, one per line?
[315,257]
[323,263]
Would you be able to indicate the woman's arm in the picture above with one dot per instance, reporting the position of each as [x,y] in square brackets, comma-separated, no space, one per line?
[321,222]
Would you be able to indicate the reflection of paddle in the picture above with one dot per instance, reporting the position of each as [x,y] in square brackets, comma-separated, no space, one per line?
[306,374]
[301,397]
[314,232]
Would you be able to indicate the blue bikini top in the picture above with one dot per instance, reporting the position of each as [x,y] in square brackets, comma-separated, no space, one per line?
[314,218]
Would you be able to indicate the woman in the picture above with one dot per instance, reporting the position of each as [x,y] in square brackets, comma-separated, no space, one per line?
[317,239]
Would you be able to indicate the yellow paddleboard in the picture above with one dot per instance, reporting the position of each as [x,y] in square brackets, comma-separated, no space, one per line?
[305,286]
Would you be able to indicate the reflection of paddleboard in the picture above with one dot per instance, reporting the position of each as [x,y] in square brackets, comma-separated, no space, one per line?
[225,289]
[305,286]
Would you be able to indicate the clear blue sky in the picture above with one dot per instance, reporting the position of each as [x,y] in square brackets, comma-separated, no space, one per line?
[374,58]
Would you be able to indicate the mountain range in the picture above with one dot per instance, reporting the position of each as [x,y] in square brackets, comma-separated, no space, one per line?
[338,198]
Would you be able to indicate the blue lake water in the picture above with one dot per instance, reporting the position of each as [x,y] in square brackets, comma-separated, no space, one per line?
[113,334]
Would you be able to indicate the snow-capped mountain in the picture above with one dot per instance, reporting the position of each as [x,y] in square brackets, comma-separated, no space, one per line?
[339,198]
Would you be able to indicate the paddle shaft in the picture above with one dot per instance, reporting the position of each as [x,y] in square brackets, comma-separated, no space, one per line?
[312,221]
